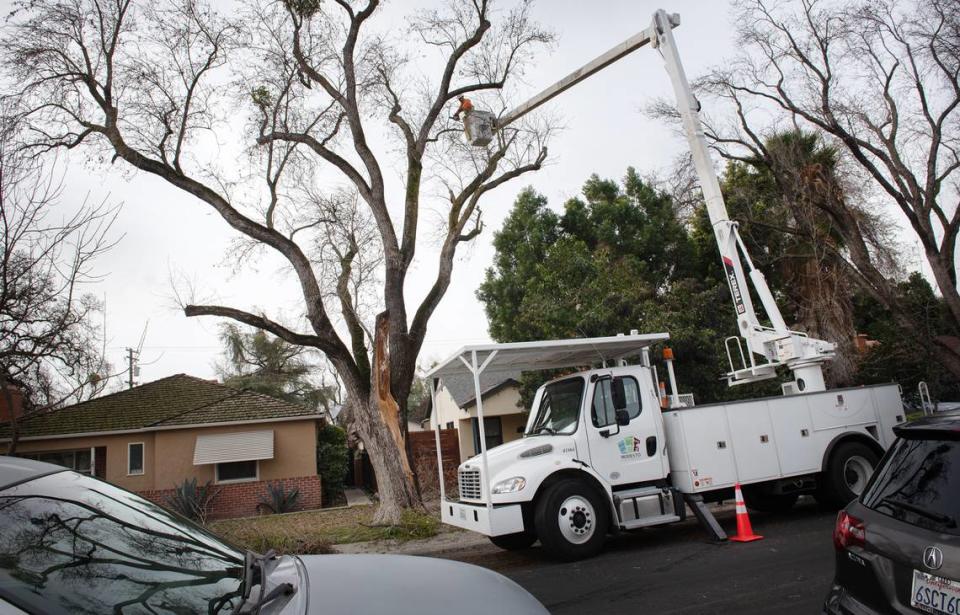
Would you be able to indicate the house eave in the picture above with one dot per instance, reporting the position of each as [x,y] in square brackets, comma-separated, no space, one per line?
[120,432]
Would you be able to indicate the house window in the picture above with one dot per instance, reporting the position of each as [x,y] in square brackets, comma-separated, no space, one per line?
[450,425]
[237,471]
[134,458]
[79,461]
[492,429]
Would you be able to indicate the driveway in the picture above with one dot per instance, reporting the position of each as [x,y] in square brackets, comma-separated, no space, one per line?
[674,569]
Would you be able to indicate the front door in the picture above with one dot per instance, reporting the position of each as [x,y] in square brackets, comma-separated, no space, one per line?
[631,453]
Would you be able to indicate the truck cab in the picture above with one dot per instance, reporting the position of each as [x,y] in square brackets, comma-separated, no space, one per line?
[599,430]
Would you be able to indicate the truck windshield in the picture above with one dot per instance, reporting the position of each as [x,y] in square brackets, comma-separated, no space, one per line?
[559,408]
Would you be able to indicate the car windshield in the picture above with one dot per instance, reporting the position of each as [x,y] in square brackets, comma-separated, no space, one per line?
[75,544]
[559,408]
[919,484]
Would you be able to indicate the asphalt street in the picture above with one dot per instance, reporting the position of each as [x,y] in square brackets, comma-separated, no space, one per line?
[675,569]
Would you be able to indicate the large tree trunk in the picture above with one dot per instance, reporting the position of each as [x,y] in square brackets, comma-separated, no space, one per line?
[377,421]
[943,274]
[14,419]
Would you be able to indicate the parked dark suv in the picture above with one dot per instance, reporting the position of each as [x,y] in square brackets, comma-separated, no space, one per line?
[898,545]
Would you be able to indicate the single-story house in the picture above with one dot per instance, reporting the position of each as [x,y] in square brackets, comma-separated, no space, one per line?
[503,417]
[151,438]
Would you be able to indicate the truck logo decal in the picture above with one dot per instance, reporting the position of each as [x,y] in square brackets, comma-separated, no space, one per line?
[734,285]
[629,447]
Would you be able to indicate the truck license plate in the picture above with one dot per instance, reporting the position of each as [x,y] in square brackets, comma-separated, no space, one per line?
[935,594]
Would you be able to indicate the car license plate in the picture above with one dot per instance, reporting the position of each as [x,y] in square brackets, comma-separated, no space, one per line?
[935,594]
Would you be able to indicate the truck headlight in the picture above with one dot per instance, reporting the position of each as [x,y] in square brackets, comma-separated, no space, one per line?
[511,485]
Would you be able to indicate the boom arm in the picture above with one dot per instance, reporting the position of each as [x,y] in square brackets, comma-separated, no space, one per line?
[777,344]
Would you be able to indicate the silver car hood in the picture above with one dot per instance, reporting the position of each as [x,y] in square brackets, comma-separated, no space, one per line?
[408,585]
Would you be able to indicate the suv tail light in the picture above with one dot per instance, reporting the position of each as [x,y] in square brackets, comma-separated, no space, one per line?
[849,532]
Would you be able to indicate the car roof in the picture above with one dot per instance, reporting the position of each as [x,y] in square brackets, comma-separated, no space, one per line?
[15,470]
[944,425]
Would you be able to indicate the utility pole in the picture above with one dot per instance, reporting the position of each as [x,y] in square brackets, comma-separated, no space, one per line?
[132,357]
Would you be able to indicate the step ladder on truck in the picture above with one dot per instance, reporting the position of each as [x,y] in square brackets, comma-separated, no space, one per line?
[603,451]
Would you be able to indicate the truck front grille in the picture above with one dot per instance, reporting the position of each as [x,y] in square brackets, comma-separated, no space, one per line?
[470,485]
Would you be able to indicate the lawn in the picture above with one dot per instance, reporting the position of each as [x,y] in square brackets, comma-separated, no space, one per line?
[316,530]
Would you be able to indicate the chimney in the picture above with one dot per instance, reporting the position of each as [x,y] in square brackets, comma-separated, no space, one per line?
[17,398]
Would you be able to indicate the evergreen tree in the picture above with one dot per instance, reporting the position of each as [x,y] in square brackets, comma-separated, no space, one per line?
[259,362]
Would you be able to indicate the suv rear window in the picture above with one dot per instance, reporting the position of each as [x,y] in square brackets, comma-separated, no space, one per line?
[919,484]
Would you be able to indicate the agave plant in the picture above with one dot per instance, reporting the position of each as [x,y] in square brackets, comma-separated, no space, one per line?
[278,500]
[193,500]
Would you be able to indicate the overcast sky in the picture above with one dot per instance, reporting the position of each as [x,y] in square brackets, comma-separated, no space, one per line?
[165,231]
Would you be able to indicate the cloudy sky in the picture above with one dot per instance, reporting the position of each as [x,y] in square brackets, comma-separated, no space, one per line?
[166,233]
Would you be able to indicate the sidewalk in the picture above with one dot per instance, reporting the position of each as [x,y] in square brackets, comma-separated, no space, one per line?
[356,497]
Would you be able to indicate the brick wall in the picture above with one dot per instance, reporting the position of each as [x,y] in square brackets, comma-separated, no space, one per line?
[241,499]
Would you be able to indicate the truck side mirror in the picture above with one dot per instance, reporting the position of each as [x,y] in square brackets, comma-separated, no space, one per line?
[618,394]
[623,418]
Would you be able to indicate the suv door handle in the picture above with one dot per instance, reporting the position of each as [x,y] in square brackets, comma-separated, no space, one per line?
[651,446]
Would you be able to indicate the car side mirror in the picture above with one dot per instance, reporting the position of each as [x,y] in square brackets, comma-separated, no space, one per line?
[623,418]
[618,394]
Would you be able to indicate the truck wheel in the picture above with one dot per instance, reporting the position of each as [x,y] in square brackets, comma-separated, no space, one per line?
[759,498]
[848,471]
[514,542]
[571,520]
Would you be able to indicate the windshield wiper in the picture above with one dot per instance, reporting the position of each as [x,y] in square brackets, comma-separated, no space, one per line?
[255,566]
[284,589]
[945,520]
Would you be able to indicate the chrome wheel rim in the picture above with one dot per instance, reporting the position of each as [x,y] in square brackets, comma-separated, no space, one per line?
[856,473]
[577,519]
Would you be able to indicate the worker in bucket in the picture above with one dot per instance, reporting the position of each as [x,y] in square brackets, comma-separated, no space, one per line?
[466,106]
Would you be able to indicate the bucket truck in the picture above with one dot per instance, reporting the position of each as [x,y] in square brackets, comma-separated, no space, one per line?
[604,451]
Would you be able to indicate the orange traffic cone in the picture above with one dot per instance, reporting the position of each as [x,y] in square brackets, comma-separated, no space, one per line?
[744,531]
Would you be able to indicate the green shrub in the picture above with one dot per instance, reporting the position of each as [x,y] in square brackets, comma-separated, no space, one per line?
[277,499]
[332,459]
[193,501]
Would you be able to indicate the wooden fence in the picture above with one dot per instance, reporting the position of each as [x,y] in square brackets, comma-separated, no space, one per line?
[423,458]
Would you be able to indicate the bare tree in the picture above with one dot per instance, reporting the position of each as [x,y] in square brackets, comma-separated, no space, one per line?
[880,78]
[50,346]
[324,88]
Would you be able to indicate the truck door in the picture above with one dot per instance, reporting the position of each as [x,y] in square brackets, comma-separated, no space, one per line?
[625,454]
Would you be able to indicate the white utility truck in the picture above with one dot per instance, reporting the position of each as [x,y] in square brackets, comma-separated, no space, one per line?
[604,451]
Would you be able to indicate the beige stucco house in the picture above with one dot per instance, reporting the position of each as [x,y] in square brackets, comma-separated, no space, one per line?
[504,419]
[150,438]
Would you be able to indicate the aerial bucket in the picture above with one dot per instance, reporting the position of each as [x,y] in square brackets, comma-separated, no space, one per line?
[478,127]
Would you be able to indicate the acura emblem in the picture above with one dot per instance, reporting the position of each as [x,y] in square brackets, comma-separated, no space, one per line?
[932,558]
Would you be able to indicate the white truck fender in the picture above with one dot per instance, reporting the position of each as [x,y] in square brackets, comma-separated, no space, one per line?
[578,469]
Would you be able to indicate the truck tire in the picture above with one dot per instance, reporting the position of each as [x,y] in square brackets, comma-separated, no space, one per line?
[760,498]
[514,542]
[571,520]
[847,473]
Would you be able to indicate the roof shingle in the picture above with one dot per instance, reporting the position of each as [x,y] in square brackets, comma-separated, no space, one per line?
[178,400]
